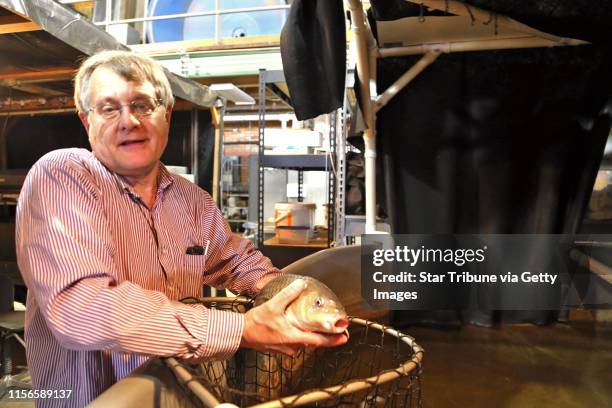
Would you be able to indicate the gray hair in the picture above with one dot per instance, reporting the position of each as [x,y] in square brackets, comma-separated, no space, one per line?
[130,66]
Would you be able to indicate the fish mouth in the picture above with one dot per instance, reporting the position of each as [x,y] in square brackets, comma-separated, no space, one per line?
[341,325]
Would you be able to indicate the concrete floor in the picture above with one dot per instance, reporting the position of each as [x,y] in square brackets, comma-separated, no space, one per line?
[563,365]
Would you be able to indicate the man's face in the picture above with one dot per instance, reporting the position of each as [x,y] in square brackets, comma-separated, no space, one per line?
[128,144]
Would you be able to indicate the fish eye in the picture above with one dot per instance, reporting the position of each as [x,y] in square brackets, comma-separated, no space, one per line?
[319,302]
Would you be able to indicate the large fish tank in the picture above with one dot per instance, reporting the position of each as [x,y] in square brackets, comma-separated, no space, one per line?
[232,25]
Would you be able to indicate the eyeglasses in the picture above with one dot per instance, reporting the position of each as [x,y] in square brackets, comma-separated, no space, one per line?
[140,107]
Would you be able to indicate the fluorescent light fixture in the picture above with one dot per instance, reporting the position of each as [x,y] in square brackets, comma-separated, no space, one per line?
[232,93]
[282,117]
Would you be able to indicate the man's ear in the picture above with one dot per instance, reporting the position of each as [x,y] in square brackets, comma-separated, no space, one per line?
[169,113]
[84,120]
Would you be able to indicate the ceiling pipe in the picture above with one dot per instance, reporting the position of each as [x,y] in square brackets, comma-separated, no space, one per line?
[475,45]
[405,79]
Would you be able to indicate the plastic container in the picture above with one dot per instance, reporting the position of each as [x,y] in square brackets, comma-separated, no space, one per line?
[293,235]
[294,215]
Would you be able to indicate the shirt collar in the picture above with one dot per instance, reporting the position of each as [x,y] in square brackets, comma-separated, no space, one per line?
[164,180]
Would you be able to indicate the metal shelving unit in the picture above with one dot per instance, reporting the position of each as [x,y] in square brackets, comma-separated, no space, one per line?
[301,163]
[234,195]
[296,161]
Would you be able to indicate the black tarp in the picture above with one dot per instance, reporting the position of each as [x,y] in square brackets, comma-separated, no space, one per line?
[313,50]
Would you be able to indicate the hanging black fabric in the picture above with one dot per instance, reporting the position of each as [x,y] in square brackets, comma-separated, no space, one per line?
[313,50]
[497,142]
[504,142]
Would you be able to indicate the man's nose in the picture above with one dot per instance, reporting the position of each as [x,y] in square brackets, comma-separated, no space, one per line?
[127,119]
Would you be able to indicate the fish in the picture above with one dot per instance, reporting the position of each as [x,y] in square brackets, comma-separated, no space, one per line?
[316,309]
[268,376]
[340,269]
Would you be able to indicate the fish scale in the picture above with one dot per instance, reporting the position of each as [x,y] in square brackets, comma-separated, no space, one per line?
[317,308]
[279,283]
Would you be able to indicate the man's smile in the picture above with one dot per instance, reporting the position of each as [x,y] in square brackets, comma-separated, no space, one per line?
[133,143]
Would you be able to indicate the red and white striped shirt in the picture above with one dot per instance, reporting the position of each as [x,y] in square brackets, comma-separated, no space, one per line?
[105,274]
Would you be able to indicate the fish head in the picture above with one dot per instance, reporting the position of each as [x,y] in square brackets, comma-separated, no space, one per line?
[318,309]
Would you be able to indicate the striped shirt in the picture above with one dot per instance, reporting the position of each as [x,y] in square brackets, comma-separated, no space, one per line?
[105,274]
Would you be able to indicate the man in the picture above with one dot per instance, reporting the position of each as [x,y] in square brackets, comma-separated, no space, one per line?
[108,241]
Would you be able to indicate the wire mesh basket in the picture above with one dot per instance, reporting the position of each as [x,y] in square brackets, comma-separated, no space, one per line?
[377,367]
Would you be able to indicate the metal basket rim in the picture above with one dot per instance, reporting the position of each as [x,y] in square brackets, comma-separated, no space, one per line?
[308,396]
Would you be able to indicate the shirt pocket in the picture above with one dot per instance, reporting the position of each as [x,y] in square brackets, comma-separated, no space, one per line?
[194,265]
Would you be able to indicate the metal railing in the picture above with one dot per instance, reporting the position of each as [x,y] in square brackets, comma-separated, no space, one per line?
[217,13]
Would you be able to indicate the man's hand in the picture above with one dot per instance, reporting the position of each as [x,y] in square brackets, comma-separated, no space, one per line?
[267,329]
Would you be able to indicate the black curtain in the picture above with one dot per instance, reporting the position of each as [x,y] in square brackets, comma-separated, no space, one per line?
[484,142]
[502,142]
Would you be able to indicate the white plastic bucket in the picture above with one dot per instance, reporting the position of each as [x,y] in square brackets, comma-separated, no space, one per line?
[294,215]
[292,235]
